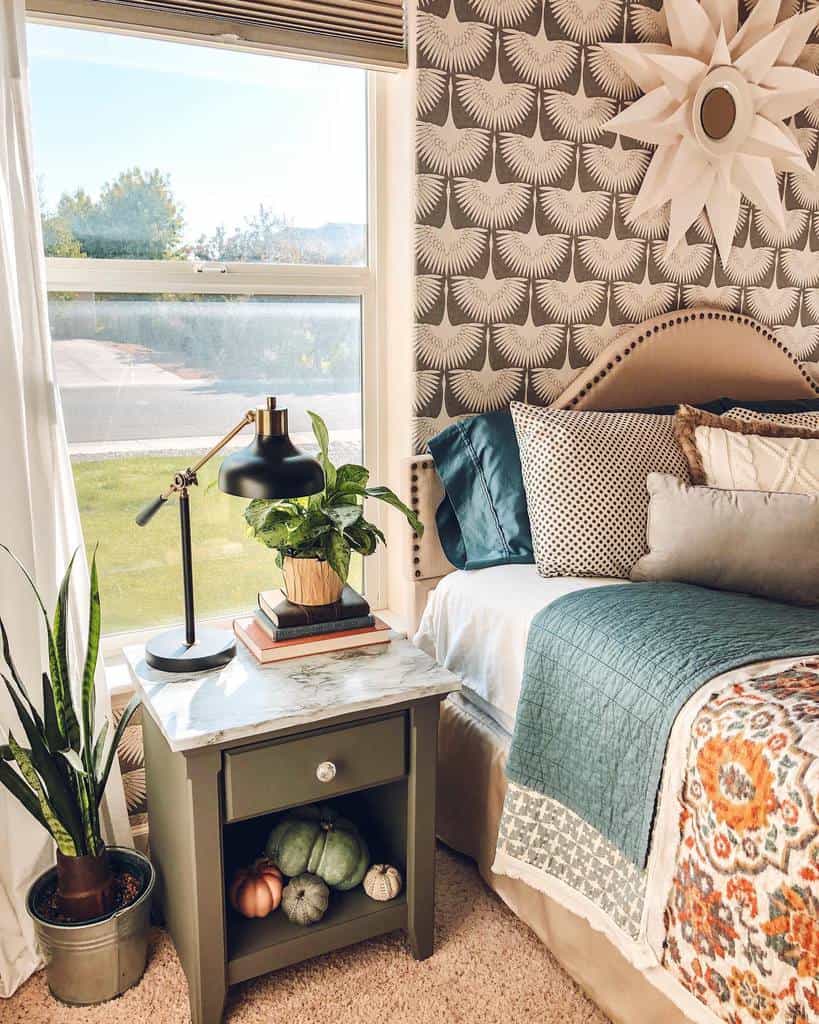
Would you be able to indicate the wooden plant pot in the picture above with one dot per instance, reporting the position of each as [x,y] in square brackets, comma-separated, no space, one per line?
[311,582]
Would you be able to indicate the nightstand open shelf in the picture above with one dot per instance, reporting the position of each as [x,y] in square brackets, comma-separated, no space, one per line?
[266,944]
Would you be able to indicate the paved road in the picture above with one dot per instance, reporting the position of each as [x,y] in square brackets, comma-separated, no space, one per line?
[85,363]
[108,396]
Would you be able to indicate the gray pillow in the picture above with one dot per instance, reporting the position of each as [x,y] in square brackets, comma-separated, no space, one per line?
[758,542]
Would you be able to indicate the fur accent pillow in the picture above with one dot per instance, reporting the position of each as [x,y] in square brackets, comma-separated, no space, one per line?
[584,474]
[741,455]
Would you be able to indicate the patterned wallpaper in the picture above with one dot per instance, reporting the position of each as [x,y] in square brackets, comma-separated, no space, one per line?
[131,755]
[527,259]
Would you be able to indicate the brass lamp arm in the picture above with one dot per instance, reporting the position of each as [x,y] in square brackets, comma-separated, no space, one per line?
[248,418]
[187,477]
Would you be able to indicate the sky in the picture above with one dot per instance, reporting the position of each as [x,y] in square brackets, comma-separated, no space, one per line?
[232,129]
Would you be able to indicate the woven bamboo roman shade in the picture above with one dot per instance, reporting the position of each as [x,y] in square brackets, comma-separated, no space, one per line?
[368,33]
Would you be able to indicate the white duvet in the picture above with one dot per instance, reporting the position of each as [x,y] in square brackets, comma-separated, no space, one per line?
[476,624]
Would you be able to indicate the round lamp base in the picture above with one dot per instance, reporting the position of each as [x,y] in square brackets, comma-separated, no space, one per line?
[168,652]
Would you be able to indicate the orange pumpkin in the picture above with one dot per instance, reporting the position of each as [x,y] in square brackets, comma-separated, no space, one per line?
[257,891]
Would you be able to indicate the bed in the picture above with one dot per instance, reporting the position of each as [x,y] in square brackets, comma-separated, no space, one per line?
[629,948]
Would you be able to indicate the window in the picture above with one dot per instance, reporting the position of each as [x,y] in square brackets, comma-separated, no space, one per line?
[205,222]
[160,150]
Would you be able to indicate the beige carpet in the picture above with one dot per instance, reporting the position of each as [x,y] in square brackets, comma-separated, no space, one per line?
[488,968]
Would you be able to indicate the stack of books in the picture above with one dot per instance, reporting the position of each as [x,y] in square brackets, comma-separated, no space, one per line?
[280,629]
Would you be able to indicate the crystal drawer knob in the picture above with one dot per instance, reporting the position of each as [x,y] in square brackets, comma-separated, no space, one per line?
[326,771]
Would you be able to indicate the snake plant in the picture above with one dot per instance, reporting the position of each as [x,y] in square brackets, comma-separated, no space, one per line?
[59,772]
[328,525]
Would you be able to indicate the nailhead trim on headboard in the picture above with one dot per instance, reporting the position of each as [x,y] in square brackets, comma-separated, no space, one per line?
[684,318]
[416,547]
[417,466]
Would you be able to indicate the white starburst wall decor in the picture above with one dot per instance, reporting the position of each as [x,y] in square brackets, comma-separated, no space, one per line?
[560,146]
[716,102]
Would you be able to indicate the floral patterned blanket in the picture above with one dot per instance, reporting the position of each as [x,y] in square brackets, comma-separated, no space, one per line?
[607,671]
[743,913]
[728,904]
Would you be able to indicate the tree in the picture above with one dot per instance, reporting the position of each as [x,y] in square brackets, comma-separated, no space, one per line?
[58,239]
[136,217]
[75,208]
[259,241]
[268,238]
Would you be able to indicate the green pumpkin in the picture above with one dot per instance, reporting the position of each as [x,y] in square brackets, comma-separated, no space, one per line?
[305,899]
[317,840]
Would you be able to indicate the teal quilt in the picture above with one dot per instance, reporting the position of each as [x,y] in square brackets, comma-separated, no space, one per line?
[606,672]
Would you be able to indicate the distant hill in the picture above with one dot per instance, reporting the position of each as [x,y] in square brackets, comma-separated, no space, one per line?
[337,243]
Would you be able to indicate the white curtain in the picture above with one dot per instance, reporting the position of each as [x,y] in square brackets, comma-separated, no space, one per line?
[39,518]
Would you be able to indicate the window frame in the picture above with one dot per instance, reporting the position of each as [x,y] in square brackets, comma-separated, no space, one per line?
[89,276]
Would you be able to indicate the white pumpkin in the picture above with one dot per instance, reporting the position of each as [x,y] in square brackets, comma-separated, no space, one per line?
[383,882]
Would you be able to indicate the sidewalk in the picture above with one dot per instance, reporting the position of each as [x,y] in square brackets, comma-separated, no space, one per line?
[345,446]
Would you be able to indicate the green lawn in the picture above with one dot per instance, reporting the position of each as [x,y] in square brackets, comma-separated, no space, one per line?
[140,567]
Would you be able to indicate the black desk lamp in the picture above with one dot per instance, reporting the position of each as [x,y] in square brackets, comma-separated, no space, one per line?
[269,467]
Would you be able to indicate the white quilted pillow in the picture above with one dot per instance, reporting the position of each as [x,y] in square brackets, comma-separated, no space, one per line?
[748,462]
[584,474]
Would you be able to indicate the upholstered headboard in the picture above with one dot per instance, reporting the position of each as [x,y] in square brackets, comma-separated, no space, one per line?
[691,356]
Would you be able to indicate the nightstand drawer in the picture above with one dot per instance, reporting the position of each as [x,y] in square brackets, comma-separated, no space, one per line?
[270,776]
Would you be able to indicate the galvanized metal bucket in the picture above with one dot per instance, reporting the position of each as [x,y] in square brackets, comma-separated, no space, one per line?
[97,960]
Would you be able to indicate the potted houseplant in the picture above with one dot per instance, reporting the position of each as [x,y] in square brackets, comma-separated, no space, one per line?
[90,911]
[314,537]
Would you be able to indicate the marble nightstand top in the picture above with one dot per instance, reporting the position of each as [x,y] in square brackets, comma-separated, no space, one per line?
[245,698]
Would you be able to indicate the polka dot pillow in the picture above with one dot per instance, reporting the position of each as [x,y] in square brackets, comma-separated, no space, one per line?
[805,420]
[584,474]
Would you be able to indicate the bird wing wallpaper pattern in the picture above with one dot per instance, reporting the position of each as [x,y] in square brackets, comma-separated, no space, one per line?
[528,261]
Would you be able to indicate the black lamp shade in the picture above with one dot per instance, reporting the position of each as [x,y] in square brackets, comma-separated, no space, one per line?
[270,467]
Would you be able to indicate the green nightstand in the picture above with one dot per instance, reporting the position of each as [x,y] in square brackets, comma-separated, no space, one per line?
[226,751]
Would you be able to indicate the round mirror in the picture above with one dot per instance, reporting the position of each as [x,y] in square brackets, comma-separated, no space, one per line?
[723,111]
[718,113]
